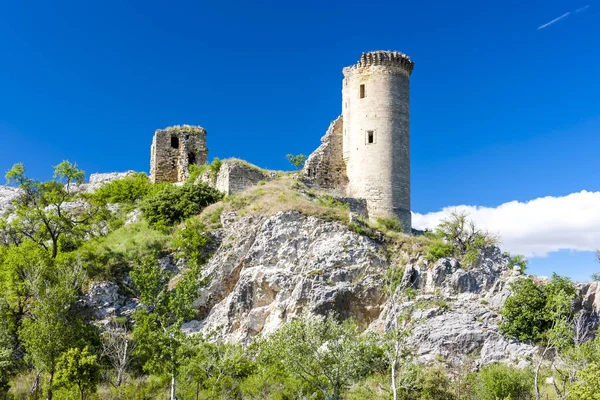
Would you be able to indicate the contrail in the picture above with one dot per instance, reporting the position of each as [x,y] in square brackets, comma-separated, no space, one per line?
[547,24]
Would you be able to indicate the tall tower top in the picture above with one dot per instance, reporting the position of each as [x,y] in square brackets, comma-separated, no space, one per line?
[384,58]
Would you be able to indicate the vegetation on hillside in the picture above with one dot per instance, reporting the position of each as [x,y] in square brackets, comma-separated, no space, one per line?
[58,240]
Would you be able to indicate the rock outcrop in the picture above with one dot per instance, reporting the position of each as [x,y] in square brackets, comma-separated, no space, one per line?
[268,270]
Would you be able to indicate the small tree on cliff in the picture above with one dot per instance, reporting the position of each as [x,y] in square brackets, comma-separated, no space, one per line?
[40,208]
[296,160]
[161,342]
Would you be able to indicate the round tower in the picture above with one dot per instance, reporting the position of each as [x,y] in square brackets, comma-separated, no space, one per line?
[376,136]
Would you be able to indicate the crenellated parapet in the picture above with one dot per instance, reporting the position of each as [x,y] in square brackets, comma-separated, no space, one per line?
[393,59]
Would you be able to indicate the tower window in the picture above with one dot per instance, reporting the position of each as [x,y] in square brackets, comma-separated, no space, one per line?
[362,91]
[174,142]
[370,137]
[191,158]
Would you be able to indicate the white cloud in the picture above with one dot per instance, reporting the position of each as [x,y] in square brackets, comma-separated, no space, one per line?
[554,20]
[537,227]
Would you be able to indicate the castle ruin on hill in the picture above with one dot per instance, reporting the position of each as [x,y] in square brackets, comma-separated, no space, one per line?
[174,149]
[365,153]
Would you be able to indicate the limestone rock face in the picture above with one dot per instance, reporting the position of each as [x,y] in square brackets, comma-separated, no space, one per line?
[7,195]
[267,270]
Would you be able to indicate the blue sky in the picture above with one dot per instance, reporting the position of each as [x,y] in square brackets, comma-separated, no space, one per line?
[501,111]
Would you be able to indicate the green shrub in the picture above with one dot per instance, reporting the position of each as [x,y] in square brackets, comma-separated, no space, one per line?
[195,170]
[502,382]
[127,190]
[215,167]
[390,224]
[173,204]
[530,310]
[112,255]
[518,260]
[437,249]
[191,239]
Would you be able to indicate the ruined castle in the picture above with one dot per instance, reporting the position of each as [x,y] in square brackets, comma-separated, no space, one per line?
[365,153]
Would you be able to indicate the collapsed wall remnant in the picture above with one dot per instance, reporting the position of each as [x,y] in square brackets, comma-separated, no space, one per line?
[174,149]
[235,176]
[325,167]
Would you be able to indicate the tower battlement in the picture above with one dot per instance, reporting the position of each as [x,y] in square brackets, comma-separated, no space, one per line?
[383,58]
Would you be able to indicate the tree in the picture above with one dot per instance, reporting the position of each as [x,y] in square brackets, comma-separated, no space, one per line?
[396,349]
[161,343]
[531,310]
[78,367]
[296,160]
[7,358]
[52,325]
[41,212]
[464,236]
[118,348]
[326,354]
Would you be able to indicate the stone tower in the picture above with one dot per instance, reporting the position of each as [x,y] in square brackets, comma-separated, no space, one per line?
[174,149]
[376,133]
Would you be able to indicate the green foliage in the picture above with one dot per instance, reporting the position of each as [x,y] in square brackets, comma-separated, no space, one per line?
[128,190]
[518,260]
[216,371]
[111,256]
[214,168]
[502,382]
[458,236]
[78,367]
[587,385]
[296,160]
[531,310]
[393,279]
[390,224]
[41,215]
[437,249]
[326,354]
[161,343]
[195,170]
[173,204]
[191,239]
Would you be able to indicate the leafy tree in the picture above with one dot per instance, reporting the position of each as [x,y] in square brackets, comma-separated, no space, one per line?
[531,310]
[587,385]
[78,367]
[217,370]
[463,235]
[161,343]
[53,325]
[40,208]
[296,160]
[173,204]
[500,381]
[324,353]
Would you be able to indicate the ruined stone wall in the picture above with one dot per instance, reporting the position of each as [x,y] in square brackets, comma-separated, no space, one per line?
[376,133]
[174,149]
[325,167]
[236,175]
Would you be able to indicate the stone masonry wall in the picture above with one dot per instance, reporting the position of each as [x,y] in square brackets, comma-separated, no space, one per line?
[174,149]
[325,167]
[376,133]
[236,175]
